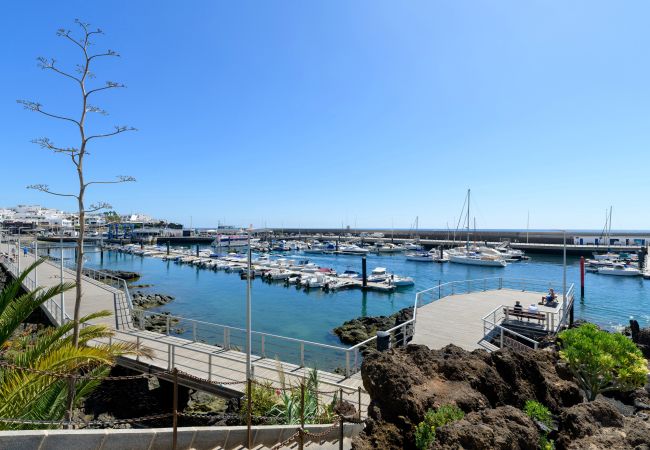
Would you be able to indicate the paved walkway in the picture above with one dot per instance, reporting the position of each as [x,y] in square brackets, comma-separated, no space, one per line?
[201,360]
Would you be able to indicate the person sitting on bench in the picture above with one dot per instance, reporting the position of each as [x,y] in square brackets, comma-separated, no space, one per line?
[550,298]
[518,308]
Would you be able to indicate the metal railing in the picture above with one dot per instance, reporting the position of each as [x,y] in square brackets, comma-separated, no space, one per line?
[553,322]
[118,288]
[296,351]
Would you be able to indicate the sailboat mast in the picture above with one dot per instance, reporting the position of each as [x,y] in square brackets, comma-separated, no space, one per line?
[609,230]
[468,194]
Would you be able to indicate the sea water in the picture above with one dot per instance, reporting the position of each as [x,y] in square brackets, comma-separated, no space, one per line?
[220,297]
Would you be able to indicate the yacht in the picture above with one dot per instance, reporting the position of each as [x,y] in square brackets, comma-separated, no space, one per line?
[378,275]
[420,257]
[388,248]
[620,270]
[353,249]
[476,256]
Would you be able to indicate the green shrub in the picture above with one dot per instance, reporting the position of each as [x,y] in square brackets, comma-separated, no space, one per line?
[287,409]
[535,410]
[425,432]
[602,361]
[263,399]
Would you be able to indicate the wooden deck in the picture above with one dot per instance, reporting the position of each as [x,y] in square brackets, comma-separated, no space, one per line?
[457,319]
[211,363]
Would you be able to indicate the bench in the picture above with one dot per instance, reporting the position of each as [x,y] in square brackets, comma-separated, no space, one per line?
[541,317]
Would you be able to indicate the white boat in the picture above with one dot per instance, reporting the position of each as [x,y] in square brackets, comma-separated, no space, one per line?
[349,274]
[388,248]
[482,256]
[353,249]
[476,259]
[378,275]
[620,270]
[314,281]
[278,274]
[413,246]
[419,257]
[402,281]
[609,256]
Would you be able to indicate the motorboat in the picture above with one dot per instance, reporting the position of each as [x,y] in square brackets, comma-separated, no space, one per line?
[413,246]
[314,281]
[609,256]
[378,275]
[620,270]
[353,249]
[278,275]
[398,281]
[388,248]
[420,257]
[350,274]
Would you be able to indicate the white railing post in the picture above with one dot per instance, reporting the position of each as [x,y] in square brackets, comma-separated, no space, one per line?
[194,331]
[302,354]
[210,367]
[263,349]
[347,364]
[356,359]
[137,346]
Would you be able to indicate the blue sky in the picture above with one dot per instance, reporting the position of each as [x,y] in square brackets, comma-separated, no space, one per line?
[294,113]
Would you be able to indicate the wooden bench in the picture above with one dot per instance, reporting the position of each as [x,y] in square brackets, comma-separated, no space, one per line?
[541,317]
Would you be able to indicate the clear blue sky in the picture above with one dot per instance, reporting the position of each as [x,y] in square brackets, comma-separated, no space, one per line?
[315,113]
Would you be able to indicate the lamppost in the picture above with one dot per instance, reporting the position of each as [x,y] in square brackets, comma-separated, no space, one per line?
[564,266]
[61,280]
[18,258]
[248,309]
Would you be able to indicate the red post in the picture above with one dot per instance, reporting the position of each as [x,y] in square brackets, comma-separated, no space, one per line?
[582,276]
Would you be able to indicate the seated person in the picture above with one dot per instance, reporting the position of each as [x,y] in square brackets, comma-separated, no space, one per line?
[550,298]
[518,308]
[533,309]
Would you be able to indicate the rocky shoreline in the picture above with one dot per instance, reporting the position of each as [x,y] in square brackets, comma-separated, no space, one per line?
[148,301]
[491,389]
[358,330]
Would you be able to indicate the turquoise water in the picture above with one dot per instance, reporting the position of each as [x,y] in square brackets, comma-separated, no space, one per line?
[219,297]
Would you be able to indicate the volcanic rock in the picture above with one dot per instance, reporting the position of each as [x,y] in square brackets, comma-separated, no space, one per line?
[598,424]
[500,428]
[358,330]
[404,383]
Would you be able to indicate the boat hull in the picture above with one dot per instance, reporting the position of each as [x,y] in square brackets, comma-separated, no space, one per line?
[477,262]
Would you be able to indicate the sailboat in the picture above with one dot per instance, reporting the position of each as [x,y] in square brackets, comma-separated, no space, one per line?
[472,255]
[414,245]
[607,230]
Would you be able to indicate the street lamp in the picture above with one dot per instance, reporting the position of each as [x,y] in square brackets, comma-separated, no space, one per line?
[564,269]
[248,309]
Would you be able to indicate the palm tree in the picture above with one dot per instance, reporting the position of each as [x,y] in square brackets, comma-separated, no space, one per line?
[37,393]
